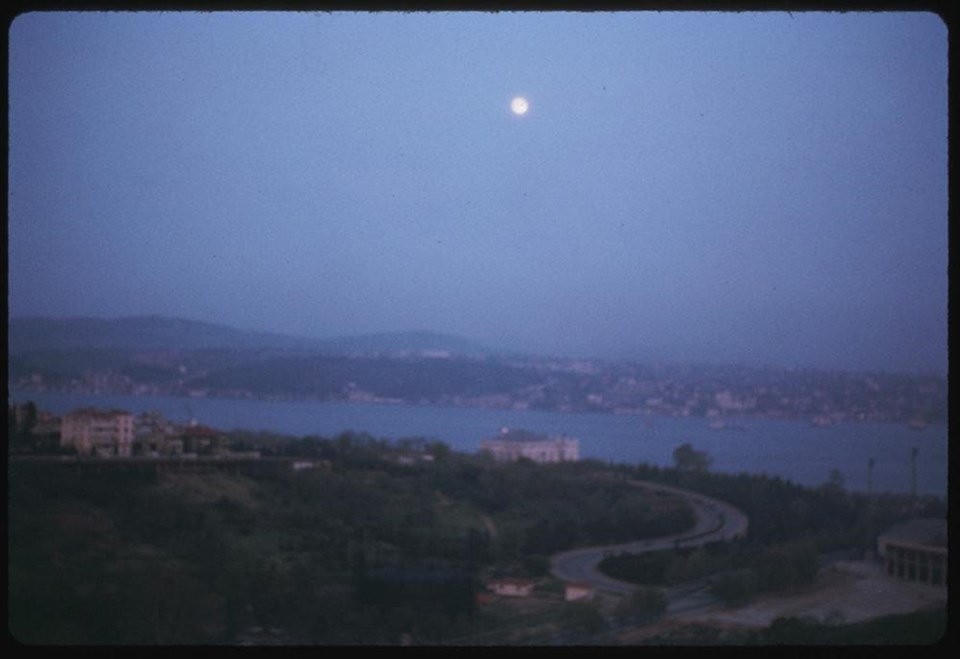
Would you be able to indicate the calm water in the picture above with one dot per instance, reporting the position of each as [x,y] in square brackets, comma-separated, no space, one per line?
[793,450]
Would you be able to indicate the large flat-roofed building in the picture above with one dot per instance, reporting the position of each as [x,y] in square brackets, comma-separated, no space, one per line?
[98,432]
[511,445]
[916,551]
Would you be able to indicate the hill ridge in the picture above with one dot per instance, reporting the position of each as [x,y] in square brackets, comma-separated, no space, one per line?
[154,332]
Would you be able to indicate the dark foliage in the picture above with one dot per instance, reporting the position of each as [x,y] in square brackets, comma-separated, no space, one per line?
[135,557]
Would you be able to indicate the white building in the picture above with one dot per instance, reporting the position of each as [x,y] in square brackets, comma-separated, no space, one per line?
[511,445]
[98,432]
[510,587]
[573,592]
[916,551]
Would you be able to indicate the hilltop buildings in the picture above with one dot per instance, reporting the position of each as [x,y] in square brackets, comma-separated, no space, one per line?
[90,432]
[511,445]
[155,436]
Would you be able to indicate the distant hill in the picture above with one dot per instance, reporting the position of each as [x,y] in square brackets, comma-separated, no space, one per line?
[161,333]
[400,341]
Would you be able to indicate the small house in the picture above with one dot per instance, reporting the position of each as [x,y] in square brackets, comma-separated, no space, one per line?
[577,591]
[511,587]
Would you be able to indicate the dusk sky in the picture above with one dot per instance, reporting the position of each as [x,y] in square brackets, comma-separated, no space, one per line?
[753,188]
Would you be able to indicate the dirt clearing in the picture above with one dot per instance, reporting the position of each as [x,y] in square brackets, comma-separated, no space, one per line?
[845,592]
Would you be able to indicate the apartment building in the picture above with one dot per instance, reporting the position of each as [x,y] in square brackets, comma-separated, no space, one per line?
[98,432]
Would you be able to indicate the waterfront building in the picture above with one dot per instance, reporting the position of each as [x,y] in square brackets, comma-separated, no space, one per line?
[511,445]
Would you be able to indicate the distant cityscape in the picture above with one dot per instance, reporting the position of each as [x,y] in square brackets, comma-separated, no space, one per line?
[721,394]
[157,356]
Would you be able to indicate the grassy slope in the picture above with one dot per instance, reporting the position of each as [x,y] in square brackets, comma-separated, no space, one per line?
[121,558]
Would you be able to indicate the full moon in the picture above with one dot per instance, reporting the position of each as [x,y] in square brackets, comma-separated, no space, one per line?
[519,105]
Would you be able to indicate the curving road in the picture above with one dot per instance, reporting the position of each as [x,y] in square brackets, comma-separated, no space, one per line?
[716,521]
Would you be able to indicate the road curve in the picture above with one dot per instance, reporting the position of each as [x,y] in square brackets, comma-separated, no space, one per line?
[716,521]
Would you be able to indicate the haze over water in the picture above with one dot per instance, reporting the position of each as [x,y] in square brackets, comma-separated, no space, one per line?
[763,188]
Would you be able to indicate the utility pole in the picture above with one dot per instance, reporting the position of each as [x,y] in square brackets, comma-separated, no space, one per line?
[870,540]
[913,472]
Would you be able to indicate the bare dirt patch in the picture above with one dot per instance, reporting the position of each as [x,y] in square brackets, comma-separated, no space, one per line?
[845,592]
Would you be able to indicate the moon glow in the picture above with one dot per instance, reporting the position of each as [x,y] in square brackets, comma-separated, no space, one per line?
[519,106]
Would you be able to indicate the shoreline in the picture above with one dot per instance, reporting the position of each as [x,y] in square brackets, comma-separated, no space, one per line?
[732,423]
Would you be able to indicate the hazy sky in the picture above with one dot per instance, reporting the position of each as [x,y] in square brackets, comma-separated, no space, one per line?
[757,188]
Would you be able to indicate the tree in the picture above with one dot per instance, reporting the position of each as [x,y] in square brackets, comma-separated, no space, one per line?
[642,603]
[686,458]
[30,417]
[735,586]
[581,619]
[834,484]
[785,566]
[439,450]
[21,421]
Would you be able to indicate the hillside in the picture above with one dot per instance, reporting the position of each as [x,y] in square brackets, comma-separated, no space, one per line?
[160,333]
[129,557]
[378,539]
